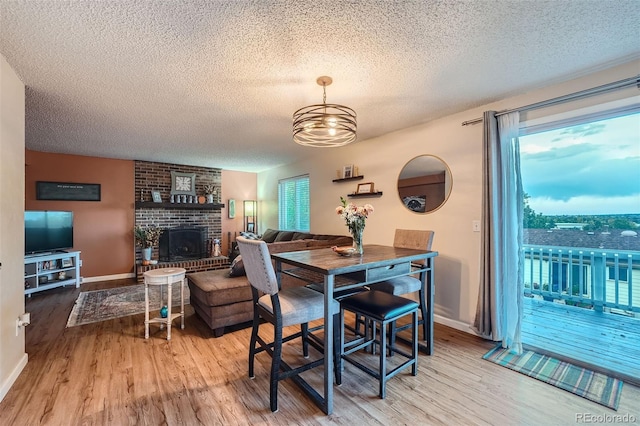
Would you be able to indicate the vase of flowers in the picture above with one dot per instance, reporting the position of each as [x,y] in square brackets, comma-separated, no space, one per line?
[147,238]
[210,192]
[355,219]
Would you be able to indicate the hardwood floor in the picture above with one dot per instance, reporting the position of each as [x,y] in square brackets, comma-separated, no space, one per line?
[107,373]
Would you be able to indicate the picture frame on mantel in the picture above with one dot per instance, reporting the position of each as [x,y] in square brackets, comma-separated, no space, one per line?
[155,195]
[232,208]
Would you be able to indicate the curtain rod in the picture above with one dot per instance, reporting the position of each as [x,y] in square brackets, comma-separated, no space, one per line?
[621,84]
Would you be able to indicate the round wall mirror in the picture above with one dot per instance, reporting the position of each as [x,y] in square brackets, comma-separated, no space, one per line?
[424,184]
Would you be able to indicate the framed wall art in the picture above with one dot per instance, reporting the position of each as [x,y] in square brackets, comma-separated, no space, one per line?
[67,191]
[183,183]
[347,171]
[232,208]
[365,188]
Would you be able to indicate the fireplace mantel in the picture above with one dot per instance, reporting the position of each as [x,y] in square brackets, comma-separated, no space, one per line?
[183,206]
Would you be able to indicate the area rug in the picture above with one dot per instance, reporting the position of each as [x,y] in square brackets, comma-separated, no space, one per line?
[102,305]
[596,387]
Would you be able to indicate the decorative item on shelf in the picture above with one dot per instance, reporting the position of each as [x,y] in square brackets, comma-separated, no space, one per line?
[202,199]
[62,275]
[172,199]
[365,188]
[146,239]
[216,247]
[67,262]
[155,195]
[250,213]
[347,171]
[210,191]
[43,279]
[164,312]
[355,218]
[324,125]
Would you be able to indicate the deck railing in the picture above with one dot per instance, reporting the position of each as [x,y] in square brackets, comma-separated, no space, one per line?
[591,278]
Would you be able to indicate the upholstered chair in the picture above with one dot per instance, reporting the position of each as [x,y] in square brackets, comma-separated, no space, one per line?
[282,308]
[410,239]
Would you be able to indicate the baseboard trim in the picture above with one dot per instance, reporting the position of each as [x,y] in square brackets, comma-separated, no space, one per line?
[4,390]
[108,277]
[458,325]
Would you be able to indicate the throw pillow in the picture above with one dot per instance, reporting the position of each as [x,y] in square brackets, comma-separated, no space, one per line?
[284,236]
[250,235]
[237,267]
[269,235]
[301,236]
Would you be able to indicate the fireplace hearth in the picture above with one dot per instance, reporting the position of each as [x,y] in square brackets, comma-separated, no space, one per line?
[183,244]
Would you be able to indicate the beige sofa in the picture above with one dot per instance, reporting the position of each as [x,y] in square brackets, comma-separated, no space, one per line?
[222,298]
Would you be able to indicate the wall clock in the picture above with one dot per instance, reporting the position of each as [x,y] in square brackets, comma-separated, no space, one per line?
[183,183]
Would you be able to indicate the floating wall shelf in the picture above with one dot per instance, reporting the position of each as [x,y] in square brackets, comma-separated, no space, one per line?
[349,178]
[368,194]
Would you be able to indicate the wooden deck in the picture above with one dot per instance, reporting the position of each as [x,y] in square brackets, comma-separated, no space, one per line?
[598,340]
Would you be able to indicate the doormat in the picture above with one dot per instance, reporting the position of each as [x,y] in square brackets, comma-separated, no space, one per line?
[102,305]
[596,387]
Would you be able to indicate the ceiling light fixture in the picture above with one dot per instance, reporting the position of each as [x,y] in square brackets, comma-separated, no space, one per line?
[324,125]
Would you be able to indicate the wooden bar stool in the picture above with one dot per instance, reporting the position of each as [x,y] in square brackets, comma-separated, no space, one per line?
[161,277]
[379,309]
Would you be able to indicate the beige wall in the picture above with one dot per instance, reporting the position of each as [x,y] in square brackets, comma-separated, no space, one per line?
[380,161]
[12,100]
[238,186]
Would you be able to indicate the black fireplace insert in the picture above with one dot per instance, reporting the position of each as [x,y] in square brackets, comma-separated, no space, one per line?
[183,243]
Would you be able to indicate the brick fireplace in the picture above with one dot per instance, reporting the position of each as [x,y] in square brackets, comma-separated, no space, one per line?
[151,176]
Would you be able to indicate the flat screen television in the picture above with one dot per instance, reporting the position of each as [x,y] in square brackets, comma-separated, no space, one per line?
[47,231]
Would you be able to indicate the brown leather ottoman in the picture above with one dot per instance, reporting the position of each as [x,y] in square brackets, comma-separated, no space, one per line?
[220,300]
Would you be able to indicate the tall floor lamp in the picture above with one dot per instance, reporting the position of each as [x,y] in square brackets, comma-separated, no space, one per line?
[250,215]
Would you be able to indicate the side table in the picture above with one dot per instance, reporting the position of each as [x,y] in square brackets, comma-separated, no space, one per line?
[161,277]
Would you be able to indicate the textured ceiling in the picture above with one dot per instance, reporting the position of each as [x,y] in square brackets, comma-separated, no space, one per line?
[216,83]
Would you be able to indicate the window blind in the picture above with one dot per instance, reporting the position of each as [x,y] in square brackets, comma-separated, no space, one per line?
[293,204]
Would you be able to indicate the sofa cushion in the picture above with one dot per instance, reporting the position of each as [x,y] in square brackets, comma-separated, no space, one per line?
[301,236]
[237,267]
[284,246]
[284,236]
[269,235]
[215,288]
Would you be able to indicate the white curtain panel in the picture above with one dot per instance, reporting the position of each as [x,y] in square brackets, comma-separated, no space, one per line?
[499,311]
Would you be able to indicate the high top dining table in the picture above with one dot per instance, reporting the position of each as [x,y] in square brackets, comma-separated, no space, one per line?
[378,263]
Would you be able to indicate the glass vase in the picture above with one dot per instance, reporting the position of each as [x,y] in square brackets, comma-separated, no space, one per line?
[356,234]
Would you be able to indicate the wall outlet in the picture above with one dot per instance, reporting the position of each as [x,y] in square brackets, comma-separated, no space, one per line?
[475,225]
[22,321]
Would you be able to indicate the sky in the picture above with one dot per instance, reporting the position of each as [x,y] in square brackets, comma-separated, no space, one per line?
[589,169]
